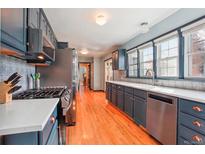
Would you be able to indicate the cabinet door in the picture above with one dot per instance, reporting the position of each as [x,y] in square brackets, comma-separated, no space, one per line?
[121,59]
[128,104]
[140,111]
[53,138]
[107,91]
[110,92]
[120,100]
[13,28]
[113,61]
[30,138]
[114,97]
[34,17]
[43,24]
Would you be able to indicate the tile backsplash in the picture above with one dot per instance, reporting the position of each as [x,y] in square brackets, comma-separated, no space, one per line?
[184,84]
[9,65]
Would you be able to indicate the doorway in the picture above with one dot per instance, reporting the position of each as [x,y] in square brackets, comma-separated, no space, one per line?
[108,71]
[85,74]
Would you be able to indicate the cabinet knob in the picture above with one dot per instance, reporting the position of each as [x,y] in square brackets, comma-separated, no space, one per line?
[196,138]
[197,108]
[52,119]
[196,123]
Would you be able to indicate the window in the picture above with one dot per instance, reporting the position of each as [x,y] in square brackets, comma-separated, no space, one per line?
[132,63]
[167,57]
[146,60]
[195,52]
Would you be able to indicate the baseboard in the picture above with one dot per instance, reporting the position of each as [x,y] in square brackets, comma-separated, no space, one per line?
[98,90]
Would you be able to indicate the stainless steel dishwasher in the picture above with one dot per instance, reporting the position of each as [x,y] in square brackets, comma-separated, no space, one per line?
[161,118]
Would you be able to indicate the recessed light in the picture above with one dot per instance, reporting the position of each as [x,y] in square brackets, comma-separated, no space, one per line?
[100,20]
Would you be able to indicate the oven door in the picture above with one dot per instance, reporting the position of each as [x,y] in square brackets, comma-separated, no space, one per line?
[70,114]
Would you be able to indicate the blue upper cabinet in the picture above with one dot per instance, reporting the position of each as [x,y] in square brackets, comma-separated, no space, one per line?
[118,59]
[13,28]
[34,17]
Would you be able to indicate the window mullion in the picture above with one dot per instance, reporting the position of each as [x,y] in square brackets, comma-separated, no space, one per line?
[181,55]
[138,63]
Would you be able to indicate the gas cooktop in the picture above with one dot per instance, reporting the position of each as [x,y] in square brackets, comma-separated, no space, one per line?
[54,92]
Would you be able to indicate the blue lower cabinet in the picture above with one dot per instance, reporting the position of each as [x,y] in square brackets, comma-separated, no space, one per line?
[140,108]
[21,139]
[191,129]
[120,100]
[44,135]
[128,104]
[49,135]
[53,138]
[192,136]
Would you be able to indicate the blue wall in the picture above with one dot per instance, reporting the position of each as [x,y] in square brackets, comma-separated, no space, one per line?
[178,19]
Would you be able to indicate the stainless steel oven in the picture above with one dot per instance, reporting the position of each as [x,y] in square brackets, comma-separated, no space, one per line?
[68,106]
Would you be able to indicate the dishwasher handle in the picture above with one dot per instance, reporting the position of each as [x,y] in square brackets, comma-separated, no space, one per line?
[162,99]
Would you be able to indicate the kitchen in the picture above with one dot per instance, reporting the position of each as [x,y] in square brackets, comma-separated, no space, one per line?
[140,82]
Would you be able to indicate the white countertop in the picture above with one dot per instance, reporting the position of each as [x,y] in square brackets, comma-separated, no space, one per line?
[20,116]
[193,95]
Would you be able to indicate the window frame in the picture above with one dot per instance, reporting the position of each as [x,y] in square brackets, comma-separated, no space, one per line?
[189,47]
[137,63]
[168,58]
[145,46]
[181,53]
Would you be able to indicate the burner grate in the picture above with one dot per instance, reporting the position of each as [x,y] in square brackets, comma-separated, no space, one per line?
[41,93]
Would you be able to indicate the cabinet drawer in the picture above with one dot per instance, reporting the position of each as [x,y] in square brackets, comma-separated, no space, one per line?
[140,93]
[129,90]
[192,136]
[44,135]
[193,108]
[182,141]
[192,122]
[120,88]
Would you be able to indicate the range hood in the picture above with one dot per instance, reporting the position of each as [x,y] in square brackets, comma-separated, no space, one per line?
[40,49]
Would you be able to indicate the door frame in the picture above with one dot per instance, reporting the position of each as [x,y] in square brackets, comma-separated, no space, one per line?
[89,74]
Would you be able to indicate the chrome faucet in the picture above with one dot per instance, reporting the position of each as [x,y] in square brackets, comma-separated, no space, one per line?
[151,73]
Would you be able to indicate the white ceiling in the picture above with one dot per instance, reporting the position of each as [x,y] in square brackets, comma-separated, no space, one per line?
[77,26]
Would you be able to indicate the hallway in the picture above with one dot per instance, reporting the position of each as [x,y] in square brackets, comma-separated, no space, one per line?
[100,123]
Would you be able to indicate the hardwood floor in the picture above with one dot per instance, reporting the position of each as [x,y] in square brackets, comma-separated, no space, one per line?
[101,123]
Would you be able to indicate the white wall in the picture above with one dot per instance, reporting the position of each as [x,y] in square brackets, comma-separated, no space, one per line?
[85,59]
[177,19]
[98,73]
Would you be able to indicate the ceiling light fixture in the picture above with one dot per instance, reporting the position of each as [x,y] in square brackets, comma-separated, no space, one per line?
[84,51]
[100,20]
[144,27]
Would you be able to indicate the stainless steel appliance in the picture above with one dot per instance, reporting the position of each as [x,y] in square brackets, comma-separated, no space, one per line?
[40,49]
[162,117]
[66,107]
[61,73]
